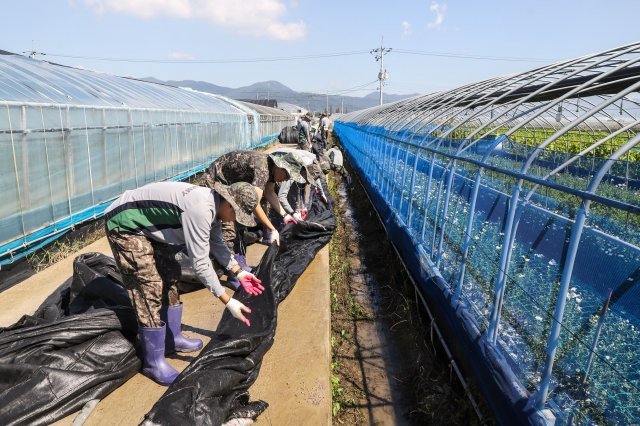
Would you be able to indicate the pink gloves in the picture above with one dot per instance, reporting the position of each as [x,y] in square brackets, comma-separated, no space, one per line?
[290,219]
[250,283]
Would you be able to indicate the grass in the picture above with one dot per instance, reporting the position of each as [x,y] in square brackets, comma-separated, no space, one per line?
[343,306]
[66,246]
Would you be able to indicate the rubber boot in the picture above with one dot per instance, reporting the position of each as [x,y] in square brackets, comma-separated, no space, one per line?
[175,340]
[154,364]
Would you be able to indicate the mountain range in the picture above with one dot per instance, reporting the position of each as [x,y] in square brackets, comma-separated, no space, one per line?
[281,93]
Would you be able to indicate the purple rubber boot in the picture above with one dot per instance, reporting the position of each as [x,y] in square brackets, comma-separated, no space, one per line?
[175,340]
[154,364]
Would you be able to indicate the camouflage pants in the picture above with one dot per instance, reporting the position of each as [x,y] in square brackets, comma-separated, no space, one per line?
[150,274]
[304,144]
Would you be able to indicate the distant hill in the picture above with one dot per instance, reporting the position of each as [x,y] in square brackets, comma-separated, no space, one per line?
[388,97]
[276,90]
[202,86]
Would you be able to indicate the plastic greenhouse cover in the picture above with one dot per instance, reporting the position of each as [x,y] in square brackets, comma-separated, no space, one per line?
[234,355]
[29,80]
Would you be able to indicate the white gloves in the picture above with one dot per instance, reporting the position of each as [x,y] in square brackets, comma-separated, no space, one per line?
[236,308]
[297,216]
[274,237]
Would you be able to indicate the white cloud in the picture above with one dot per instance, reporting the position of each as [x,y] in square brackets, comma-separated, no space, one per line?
[181,56]
[144,8]
[406,28]
[440,9]
[250,17]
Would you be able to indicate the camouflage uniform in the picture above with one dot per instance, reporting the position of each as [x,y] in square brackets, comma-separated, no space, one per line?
[303,132]
[150,274]
[238,166]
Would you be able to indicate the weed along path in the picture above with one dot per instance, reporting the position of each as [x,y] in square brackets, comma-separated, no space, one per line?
[385,370]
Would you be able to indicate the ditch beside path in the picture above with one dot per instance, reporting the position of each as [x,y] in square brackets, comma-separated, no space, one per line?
[386,367]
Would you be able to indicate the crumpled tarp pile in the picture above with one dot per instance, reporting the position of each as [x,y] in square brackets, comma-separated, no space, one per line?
[75,348]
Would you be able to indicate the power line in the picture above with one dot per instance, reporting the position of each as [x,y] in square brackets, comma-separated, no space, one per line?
[211,61]
[297,58]
[464,56]
[353,89]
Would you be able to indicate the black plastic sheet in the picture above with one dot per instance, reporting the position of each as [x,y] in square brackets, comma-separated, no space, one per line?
[72,350]
[213,388]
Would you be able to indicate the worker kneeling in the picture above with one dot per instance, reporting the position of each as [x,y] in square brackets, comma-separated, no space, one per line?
[146,227]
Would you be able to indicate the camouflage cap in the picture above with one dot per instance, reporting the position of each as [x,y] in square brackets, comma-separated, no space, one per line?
[242,197]
[313,173]
[291,164]
[324,165]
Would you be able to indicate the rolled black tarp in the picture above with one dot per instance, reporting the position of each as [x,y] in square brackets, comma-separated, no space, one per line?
[213,388]
[289,135]
[72,350]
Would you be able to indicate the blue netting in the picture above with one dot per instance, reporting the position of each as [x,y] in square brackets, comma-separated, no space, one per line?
[450,217]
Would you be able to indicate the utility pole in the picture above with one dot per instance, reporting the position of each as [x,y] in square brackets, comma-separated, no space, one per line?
[32,53]
[379,55]
[327,108]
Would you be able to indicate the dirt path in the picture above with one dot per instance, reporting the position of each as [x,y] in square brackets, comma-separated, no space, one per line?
[385,369]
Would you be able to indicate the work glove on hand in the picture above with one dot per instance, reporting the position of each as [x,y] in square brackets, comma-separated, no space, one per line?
[236,308]
[298,216]
[304,213]
[322,196]
[250,283]
[274,237]
[290,219]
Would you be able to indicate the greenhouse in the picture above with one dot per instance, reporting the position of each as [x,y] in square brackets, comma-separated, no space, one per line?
[71,140]
[514,203]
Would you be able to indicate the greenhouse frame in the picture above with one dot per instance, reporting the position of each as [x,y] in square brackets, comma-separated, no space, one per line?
[514,203]
[72,140]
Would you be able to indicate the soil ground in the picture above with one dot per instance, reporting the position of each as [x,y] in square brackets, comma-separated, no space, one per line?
[385,368]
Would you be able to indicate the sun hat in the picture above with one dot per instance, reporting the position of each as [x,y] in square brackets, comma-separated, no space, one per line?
[291,164]
[242,197]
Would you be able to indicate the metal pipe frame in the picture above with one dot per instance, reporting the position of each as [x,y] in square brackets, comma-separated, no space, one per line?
[421,126]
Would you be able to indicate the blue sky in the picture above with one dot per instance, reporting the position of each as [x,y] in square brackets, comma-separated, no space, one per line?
[205,30]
